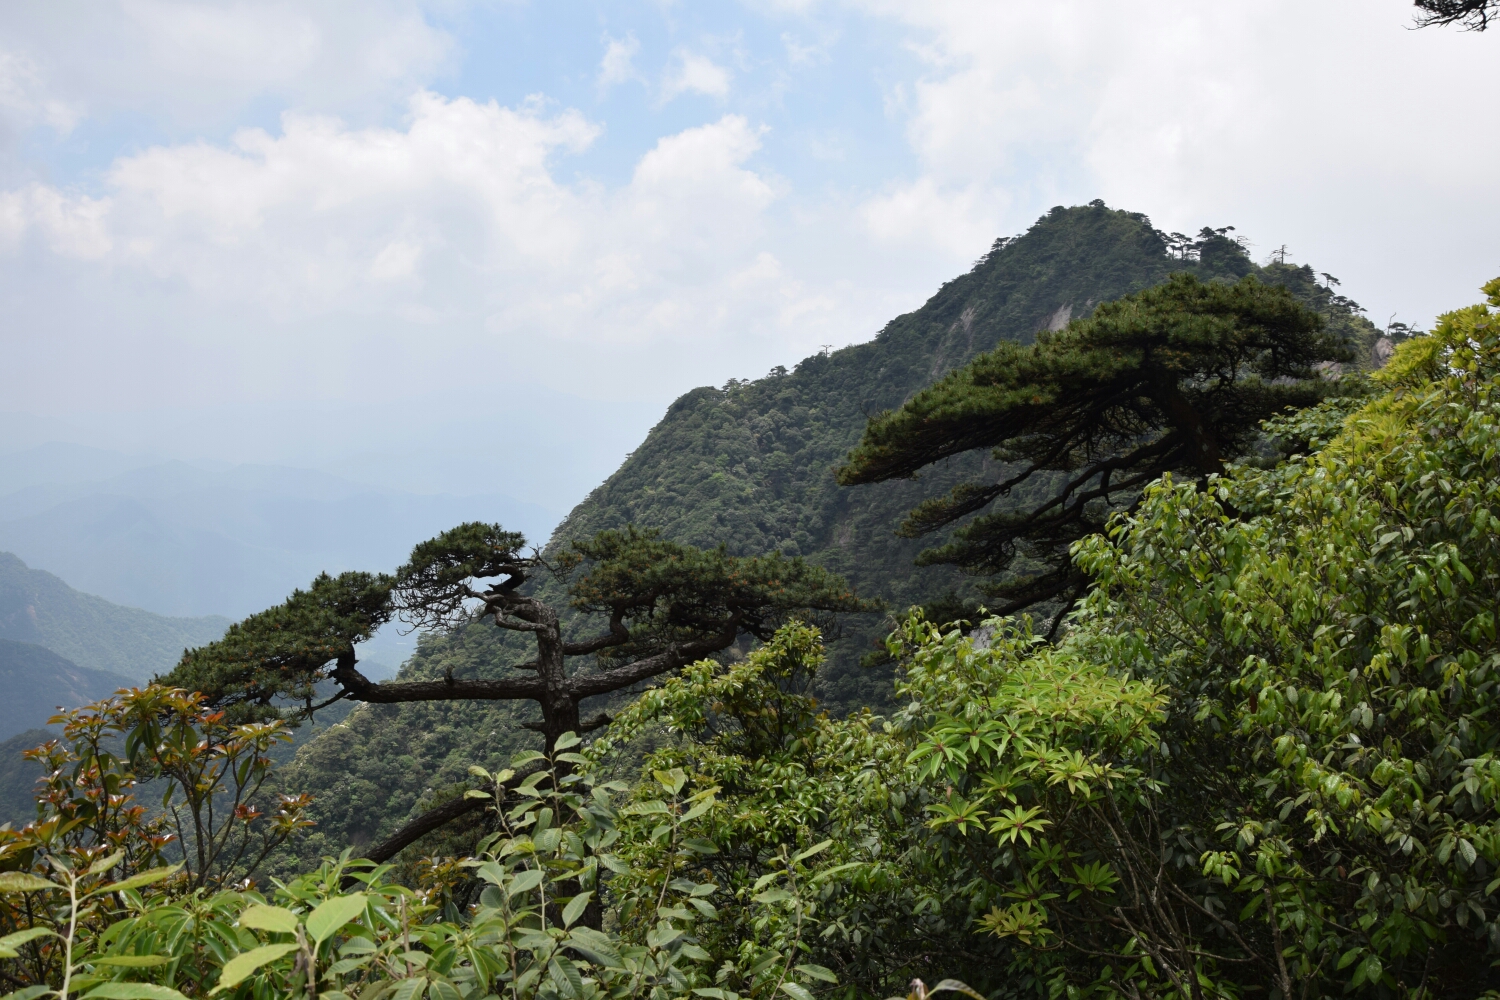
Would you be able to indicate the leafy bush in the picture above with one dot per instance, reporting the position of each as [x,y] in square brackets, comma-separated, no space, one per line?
[535,929]
[1264,757]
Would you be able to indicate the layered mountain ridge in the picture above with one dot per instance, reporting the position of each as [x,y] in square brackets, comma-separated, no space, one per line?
[39,608]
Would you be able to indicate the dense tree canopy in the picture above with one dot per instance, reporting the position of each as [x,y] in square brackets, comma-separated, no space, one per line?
[1174,378]
[662,605]
[1261,760]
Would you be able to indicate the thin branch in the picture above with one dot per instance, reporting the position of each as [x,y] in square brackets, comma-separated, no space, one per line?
[584,685]
[442,815]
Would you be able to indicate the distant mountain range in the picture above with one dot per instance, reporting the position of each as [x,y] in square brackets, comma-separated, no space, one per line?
[37,682]
[18,776]
[90,632]
[60,648]
[197,539]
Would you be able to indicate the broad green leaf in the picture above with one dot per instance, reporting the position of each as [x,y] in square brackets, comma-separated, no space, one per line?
[828,873]
[699,809]
[796,991]
[595,946]
[241,965]
[410,989]
[137,881]
[662,935]
[269,918]
[567,740]
[526,757]
[132,961]
[567,977]
[331,914]
[525,881]
[132,991]
[814,849]
[105,864]
[29,993]
[574,758]
[12,941]
[575,908]
[817,972]
[24,882]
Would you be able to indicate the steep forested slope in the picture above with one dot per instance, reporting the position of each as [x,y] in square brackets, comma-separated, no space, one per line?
[37,681]
[18,776]
[750,466]
[37,607]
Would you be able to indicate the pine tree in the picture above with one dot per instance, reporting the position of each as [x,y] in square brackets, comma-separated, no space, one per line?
[1474,15]
[661,606]
[1172,379]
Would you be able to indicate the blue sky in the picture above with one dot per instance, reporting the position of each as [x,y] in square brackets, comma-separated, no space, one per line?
[331,234]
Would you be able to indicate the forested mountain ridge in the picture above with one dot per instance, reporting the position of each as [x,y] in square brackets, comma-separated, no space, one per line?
[37,607]
[37,682]
[750,466]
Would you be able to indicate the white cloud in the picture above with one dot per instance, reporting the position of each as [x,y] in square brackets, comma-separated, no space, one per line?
[25,99]
[618,64]
[1330,127]
[951,218]
[318,247]
[70,226]
[799,54]
[201,63]
[689,73]
[303,218]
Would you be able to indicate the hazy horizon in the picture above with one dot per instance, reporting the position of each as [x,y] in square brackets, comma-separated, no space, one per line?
[474,249]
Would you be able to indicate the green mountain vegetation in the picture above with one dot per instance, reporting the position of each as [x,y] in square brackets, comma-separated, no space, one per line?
[18,776]
[62,647]
[1260,759]
[751,466]
[1176,378]
[37,607]
[37,682]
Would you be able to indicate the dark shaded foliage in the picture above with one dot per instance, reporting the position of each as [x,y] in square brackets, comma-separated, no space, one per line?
[1174,378]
